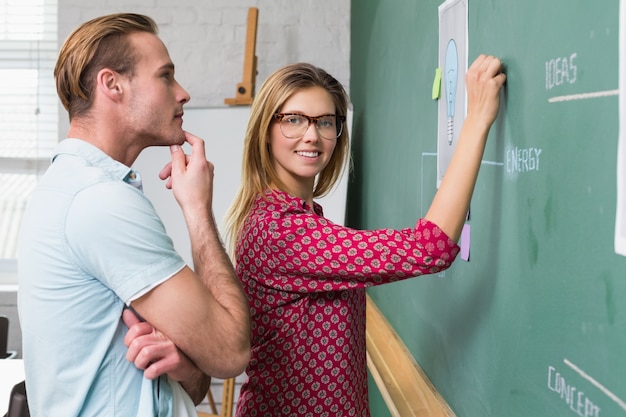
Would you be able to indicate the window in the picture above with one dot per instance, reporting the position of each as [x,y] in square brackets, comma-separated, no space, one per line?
[28,112]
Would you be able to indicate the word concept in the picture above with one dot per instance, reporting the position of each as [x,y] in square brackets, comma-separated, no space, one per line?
[577,401]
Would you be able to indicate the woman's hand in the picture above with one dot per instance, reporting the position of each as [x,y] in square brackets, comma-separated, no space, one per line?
[483,81]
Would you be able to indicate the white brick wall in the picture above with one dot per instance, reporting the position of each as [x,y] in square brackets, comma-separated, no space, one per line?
[206,38]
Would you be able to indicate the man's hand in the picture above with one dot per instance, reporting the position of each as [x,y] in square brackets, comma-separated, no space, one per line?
[152,352]
[155,354]
[190,177]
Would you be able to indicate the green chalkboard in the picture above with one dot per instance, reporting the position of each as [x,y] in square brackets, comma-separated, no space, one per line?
[534,324]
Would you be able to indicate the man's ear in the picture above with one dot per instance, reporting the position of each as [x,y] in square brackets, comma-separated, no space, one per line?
[110,84]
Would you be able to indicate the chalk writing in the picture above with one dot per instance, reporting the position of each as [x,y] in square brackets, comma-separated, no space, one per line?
[522,159]
[577,401]
[561,70]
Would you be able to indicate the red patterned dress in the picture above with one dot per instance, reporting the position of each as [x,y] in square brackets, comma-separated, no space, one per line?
[305,278]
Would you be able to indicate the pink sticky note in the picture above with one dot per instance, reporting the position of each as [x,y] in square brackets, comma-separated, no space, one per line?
[465,242]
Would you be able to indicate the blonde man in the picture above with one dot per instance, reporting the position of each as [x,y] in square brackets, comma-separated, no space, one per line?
[92,244]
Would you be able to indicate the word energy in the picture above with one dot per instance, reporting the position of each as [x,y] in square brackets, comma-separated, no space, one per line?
[522,160]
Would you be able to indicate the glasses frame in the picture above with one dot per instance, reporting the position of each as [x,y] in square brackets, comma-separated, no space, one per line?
[340,120]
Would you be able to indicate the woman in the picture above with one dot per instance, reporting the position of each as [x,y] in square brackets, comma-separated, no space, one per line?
[305,277]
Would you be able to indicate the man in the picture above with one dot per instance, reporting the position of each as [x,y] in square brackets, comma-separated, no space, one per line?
[92,244]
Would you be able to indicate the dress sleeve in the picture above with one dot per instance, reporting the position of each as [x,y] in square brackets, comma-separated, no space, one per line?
[304,252]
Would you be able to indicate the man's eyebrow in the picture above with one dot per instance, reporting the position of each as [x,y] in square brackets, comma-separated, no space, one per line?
[169,66]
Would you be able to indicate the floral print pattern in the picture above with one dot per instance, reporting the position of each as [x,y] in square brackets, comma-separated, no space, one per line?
[305,278]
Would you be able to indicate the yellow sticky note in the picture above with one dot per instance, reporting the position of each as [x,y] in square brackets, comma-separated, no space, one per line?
[437,84]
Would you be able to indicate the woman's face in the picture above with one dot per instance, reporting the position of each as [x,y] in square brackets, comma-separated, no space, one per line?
[297,160]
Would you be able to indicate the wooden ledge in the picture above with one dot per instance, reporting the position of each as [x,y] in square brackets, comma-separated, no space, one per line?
[406,389]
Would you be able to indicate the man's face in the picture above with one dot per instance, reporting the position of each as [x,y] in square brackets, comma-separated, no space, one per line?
[155,102]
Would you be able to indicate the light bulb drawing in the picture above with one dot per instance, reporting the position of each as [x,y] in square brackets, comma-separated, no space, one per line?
[450,80]
[451,75]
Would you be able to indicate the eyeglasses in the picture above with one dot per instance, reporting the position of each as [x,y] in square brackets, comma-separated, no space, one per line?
[294,126]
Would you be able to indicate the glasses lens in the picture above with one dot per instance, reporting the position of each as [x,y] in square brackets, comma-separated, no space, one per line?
[328,128]
[294,125]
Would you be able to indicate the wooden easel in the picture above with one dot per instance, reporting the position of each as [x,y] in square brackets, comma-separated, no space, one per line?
[245,89]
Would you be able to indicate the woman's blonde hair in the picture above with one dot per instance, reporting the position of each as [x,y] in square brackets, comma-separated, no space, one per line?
[257,171]
[99,43]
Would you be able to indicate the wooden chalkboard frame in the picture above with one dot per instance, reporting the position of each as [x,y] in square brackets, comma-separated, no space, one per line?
[405,387]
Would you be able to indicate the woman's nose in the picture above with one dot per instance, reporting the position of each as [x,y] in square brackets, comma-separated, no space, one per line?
[311,133]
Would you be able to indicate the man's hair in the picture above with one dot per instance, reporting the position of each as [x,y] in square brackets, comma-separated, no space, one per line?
[99,43]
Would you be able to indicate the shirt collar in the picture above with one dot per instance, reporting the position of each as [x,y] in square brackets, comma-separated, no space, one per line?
[96,157]
[296,202]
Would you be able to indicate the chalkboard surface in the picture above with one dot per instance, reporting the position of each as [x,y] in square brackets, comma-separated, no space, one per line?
[534,324]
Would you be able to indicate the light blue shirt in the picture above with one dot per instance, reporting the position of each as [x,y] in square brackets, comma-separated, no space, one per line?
[90,241]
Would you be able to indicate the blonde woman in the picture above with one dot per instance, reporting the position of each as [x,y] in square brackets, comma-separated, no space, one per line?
[305,277]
